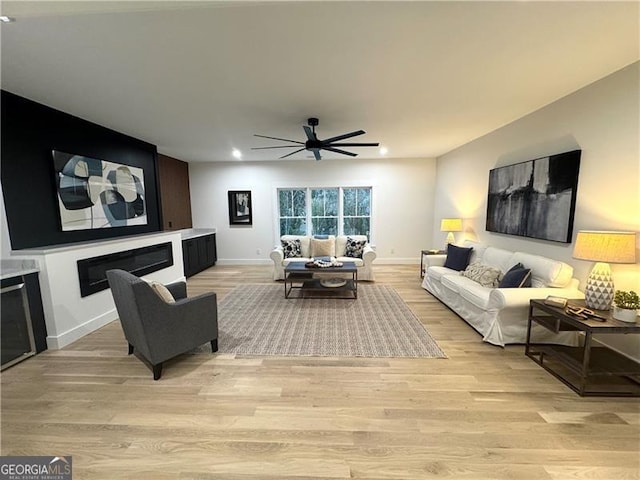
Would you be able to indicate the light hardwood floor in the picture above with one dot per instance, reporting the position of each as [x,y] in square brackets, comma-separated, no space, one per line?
[483,413]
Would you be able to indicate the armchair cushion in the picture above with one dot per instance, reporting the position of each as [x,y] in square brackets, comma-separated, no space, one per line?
[162,291]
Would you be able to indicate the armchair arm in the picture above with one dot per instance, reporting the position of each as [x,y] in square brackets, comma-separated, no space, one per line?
[188,310]
[178,289]
[173,328]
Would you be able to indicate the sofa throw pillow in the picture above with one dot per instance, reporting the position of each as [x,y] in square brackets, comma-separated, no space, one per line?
[516,277]
[457,257]
[162,291]
[354,248]
[485,275]
[292,248]
[323,248]
[321,237]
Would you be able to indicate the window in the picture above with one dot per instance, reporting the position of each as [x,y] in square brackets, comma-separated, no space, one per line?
[356,211]
[293,211]
[325,211]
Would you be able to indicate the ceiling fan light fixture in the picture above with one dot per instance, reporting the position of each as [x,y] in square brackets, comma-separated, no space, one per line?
[236,153]
[383,151]
[315,145]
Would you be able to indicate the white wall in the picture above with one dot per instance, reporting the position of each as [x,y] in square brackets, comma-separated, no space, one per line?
[402,203]
[601,120]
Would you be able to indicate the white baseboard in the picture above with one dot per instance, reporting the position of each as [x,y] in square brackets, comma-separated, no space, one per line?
[244,261]
[70,336]
[396,261]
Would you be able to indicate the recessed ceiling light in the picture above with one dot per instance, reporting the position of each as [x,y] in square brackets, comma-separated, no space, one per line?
[383,150]
[5,19]
[236,153]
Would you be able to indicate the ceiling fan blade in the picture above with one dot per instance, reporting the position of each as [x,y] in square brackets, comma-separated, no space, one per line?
[337,150]
[276,138]
[354,144]
[289,154]
[342,137]
[279,146]
[316,154]
[311,135]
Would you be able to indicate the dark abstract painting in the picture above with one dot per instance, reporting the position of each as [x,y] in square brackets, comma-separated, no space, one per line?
[536,198]
[95,193]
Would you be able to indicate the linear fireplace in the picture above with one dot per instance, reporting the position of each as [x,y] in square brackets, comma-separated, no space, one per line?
[139,261]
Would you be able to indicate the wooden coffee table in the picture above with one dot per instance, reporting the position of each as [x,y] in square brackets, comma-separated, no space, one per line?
[309,281]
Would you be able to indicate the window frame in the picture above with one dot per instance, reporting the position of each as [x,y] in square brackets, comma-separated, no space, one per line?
[308,187]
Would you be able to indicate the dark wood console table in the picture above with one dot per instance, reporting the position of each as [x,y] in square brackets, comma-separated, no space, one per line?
[589,370]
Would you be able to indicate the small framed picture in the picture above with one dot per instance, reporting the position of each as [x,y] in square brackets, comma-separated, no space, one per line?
[240,210]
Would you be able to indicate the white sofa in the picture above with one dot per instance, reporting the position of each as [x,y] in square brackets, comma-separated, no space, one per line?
[364,264]
[501,314]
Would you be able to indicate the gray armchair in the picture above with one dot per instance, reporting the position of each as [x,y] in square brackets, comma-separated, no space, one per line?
[158,330]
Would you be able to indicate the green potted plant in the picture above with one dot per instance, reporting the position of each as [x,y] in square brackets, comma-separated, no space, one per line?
[625,306]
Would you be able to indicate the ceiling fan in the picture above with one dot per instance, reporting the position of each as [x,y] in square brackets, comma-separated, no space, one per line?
[314,144]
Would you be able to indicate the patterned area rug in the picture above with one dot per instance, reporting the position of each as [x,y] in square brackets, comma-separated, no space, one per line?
[258,320]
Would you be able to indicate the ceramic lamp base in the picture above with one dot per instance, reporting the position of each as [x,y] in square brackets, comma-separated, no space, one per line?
[599,291]
[450,239]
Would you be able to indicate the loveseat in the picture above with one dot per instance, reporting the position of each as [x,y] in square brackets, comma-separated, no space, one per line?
[358,251]
[500,314]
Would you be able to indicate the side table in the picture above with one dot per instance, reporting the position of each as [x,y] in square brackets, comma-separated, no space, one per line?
[428,252]
[589,370]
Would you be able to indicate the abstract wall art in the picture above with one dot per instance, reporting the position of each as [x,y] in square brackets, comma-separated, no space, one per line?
[94,194]
[536,198]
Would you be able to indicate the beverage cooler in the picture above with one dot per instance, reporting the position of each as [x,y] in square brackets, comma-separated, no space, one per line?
[17,329]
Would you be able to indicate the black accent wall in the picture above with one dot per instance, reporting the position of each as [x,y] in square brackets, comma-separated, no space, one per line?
[30,131]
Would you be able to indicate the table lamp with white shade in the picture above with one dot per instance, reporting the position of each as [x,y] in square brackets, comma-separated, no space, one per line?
[451,225]
[603,248]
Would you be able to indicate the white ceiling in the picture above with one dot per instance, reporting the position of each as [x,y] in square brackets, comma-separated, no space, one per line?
[200,78]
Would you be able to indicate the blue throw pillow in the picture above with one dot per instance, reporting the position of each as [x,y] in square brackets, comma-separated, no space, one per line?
[516,277]
[457,257]
[321,237]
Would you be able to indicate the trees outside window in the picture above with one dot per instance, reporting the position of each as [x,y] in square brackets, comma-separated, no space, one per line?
[356,218]
[293,211]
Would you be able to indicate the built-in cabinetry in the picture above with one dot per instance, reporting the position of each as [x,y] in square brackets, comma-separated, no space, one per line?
[198,252]
[175,198]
